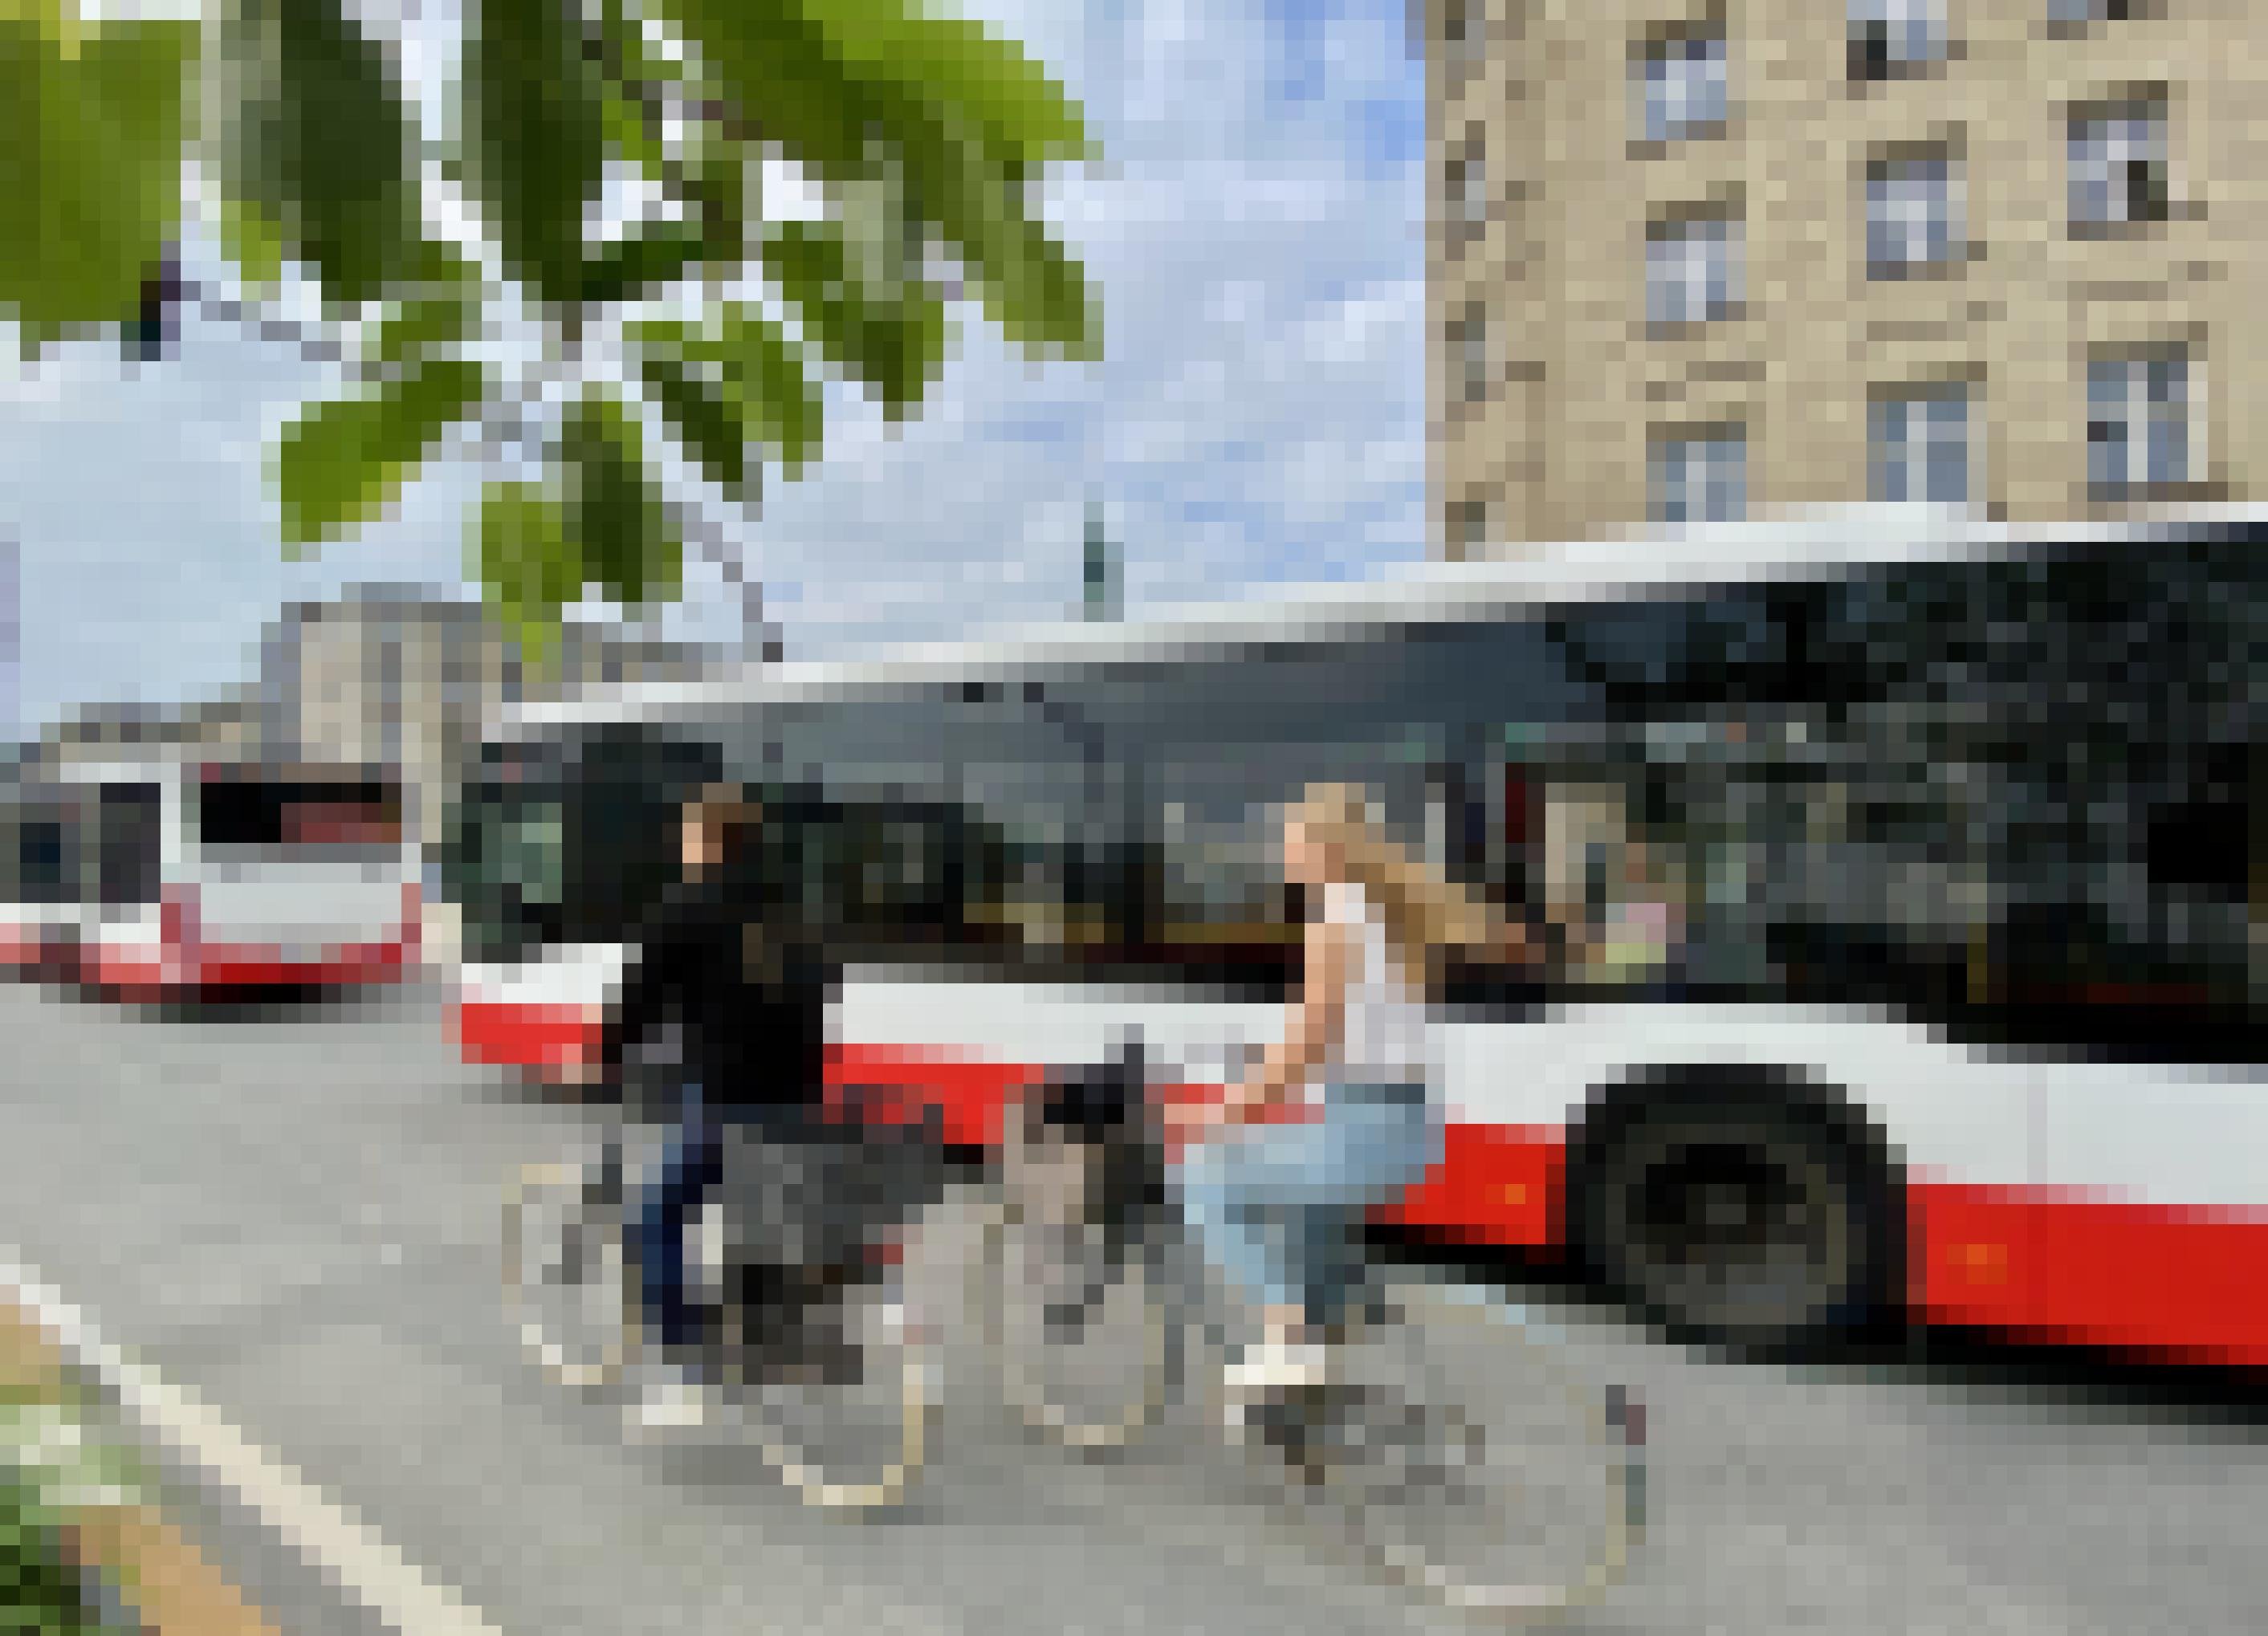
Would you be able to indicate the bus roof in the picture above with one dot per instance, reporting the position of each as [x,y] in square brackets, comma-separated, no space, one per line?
[1822,543]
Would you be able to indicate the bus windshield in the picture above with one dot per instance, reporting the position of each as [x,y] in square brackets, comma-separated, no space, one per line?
[242,809]
[504,865]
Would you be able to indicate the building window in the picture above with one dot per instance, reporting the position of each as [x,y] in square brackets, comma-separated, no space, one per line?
[1464,24]
[1467,190]
[1467,525]
[1919,446]
[1913,214]
[1469,353]
[2119,165]
[1681,87]
[1692,270]
[2138,426]
[1891,37]
[1700,478]
[2079,13]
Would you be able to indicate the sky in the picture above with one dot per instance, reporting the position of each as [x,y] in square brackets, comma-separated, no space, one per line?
[1255,230]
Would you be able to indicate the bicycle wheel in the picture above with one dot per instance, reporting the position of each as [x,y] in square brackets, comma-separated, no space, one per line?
[1459,1451]
[843,1413]
[567,1281]
[1074,1313]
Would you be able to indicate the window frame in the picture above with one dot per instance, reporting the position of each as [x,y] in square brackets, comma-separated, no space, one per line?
[1912,454]
[1653,80]
[2153,113]
[1695,466]
[1672,243]
[2141,405]
[1892,178]
[1914,36]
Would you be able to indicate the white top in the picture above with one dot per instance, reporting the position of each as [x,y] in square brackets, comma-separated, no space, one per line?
[1389,1035]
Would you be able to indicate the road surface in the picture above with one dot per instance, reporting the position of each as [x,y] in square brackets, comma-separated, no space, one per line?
[294,1216]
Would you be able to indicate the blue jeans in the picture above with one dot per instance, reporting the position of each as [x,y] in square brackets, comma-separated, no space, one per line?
[1279,1207]
[692,1164]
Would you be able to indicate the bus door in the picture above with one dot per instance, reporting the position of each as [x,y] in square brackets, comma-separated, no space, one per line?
[41,895]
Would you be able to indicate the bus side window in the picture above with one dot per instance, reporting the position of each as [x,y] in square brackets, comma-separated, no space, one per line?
[42,854]
[127,858]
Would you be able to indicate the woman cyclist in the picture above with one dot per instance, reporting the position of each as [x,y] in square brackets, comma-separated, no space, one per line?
[1279,1207]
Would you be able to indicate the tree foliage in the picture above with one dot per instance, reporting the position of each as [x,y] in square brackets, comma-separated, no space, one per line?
[699,323]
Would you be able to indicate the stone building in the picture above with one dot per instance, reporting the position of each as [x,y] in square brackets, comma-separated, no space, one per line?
[1703,259]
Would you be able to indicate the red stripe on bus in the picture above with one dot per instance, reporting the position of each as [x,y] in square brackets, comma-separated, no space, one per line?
[2178,1282]
[248,966]
[2033,1264]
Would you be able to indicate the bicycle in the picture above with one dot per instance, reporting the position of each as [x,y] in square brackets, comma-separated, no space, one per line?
[1083,1244]
[841,1401]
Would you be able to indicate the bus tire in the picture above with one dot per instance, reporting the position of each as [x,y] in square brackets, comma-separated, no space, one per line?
[1738,1208]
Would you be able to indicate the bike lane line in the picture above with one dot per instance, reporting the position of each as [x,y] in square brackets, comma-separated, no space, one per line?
[348,1553]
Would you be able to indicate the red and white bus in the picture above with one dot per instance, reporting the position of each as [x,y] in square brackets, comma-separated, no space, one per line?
[1901,877]
[161,876]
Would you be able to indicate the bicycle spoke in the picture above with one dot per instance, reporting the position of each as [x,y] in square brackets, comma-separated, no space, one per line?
[1467,1461]
[566,1279]
[842,1409]
[1077,1326]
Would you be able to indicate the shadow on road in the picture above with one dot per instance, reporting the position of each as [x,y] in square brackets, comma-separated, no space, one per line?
[1980,1366]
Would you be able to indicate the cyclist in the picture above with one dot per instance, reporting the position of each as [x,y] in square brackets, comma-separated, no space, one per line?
[749,998]
[1278,1207]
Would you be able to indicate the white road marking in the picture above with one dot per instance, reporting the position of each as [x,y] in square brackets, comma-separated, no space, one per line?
[350,1552]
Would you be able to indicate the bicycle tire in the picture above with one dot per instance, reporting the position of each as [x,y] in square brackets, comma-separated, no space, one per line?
[583,1362]
[1018,1351]
[1597,1478]
[909,1377]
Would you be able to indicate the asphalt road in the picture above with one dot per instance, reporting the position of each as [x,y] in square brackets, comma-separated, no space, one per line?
[294,1215]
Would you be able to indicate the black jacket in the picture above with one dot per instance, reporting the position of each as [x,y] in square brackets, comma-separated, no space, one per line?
[747,992]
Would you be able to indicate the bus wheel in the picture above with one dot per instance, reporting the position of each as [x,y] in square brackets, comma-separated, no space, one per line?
[1736,1206]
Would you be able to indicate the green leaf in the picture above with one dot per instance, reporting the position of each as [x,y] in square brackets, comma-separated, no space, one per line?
[627,131]
[702,418]
[615,514]
[893,342]
[341,463]
[766,383]
[794,70]
[1023,114]
[92,123]
[420,326]
[317,140]
[756,374]
[252,240]
[438,311]
[525,565]
[651,256]
[538,129]
[1025,281]
[825,70]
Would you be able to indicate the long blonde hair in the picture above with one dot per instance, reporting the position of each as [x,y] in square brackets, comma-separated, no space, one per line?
[1427,916]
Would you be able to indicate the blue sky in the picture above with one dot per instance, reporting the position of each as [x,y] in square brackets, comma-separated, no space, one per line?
[1254,228]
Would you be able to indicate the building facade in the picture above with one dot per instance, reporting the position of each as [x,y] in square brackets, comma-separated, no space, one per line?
[400,678]
[1705,259]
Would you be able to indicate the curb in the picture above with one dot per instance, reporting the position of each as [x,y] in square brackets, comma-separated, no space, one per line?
[139,1571]
[320,1568]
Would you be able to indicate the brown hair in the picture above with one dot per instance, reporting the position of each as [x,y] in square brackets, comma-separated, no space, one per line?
[1427,916]
[726,812]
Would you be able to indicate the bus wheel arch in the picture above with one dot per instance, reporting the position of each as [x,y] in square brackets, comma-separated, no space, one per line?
[1745,1207]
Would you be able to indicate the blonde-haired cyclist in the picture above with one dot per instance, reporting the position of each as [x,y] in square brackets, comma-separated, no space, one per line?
[1278,1207]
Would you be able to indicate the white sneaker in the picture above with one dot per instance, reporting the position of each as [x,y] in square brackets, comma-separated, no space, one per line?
[670,1399]
[1275,1366]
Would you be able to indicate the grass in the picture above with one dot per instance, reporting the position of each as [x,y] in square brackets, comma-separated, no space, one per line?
[41,1592]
